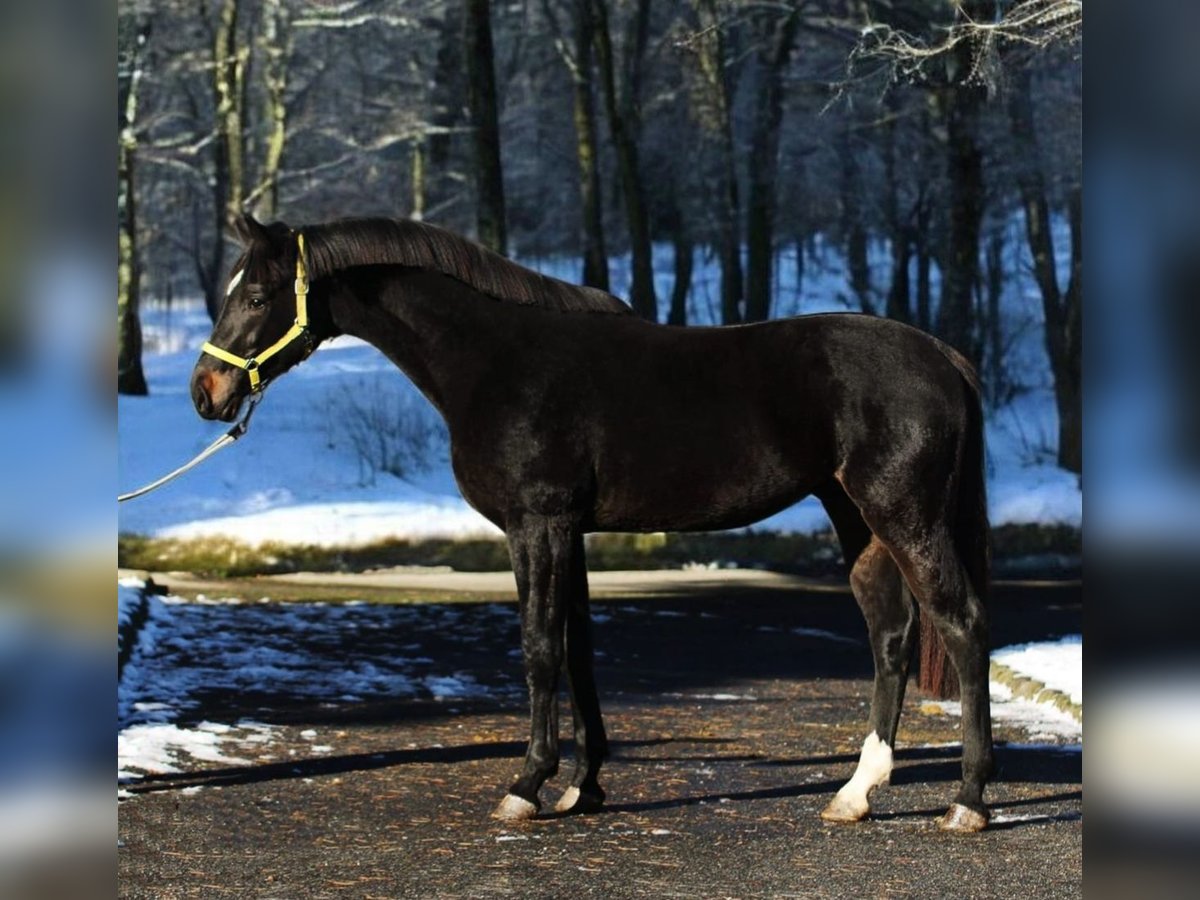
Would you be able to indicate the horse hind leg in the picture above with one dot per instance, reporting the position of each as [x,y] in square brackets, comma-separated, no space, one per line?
[891,623]
[935,572]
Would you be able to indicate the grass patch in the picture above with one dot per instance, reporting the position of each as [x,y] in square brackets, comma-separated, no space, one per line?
[263,587]
[815,554]
[220,557]
[808,553]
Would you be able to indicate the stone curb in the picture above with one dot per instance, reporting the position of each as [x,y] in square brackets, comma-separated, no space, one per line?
[127,631]
[1032,689]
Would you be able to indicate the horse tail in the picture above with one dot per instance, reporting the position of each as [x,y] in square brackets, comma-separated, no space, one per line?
[972,533]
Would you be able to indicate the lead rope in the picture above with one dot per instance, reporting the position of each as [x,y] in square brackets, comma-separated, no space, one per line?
[220,443]
[299,329]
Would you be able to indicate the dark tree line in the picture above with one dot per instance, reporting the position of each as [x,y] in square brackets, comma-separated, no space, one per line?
[757,135]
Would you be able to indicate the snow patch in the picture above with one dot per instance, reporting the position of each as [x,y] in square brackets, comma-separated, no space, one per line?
[189,651]
[1040,720]
[158,749]
[1057,664]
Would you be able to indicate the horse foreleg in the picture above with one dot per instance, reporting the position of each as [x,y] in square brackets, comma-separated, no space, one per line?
[891,623]
[540,548]
[591,743]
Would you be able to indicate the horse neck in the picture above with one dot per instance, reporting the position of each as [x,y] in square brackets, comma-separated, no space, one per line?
[436,330]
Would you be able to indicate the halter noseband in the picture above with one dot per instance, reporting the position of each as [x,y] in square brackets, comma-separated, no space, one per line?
[299,329]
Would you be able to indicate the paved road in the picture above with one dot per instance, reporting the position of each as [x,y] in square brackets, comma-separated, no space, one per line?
[730,728]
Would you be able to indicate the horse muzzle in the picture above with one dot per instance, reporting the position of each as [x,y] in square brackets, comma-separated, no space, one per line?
[215,394]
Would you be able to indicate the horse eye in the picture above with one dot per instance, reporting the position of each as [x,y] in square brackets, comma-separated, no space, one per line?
[256,301]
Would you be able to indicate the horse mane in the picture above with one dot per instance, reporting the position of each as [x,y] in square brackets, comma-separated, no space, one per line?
[348,243]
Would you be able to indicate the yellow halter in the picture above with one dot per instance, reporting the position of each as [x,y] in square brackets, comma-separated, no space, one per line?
[299,329]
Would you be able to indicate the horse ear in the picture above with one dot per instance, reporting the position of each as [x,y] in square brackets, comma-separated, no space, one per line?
[249,230]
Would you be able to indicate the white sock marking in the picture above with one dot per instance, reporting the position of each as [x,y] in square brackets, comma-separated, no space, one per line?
[874,769]
[567,800]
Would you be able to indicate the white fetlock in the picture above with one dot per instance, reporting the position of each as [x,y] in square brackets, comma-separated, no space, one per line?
[567,800]
[852,802]
[514,809]
[575,801]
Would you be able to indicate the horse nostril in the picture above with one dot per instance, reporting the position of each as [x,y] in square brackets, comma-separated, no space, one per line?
[200,394]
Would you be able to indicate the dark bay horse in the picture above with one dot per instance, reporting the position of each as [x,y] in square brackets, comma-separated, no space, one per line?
[569,415]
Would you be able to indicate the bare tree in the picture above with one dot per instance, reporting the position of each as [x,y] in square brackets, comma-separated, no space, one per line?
[774,39]
[961,100]
[621,101]
[490,220]
[1063,309]
[578,56]
[712,106]
[899,301]
[276,46]
[132,32]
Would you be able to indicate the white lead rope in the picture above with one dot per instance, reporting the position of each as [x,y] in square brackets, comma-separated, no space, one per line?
[223,441]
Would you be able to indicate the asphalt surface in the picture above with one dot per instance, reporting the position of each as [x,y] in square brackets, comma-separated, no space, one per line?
[730,731]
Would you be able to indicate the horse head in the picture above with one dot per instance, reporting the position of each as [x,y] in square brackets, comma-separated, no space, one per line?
[263,328]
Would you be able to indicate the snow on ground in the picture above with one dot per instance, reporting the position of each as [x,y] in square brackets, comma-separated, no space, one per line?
[158,748]
[1040,720]
[192,658]
[300,475]
[188,652]
[1056,664]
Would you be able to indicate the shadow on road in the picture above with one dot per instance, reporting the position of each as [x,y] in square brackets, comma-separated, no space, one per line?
[362,762]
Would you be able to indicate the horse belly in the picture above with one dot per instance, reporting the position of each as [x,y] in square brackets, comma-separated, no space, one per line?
[701,488]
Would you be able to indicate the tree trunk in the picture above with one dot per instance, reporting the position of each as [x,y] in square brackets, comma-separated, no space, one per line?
[994,290]
[276,49]
[622,112]
[961,268]
[717,72]
[1070,375]
[775,44]
[1062,311]
[417,180]
[684,253]
[582,64]
[924,289]
[485,123]
[922,240]
[130,377]
[898,299]
[854,232]
[799,273]
[229,162]
[961,104]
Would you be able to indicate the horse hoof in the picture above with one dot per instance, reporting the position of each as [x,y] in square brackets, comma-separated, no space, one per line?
[963,819]
[515,809]
[841,810]
[574,801]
